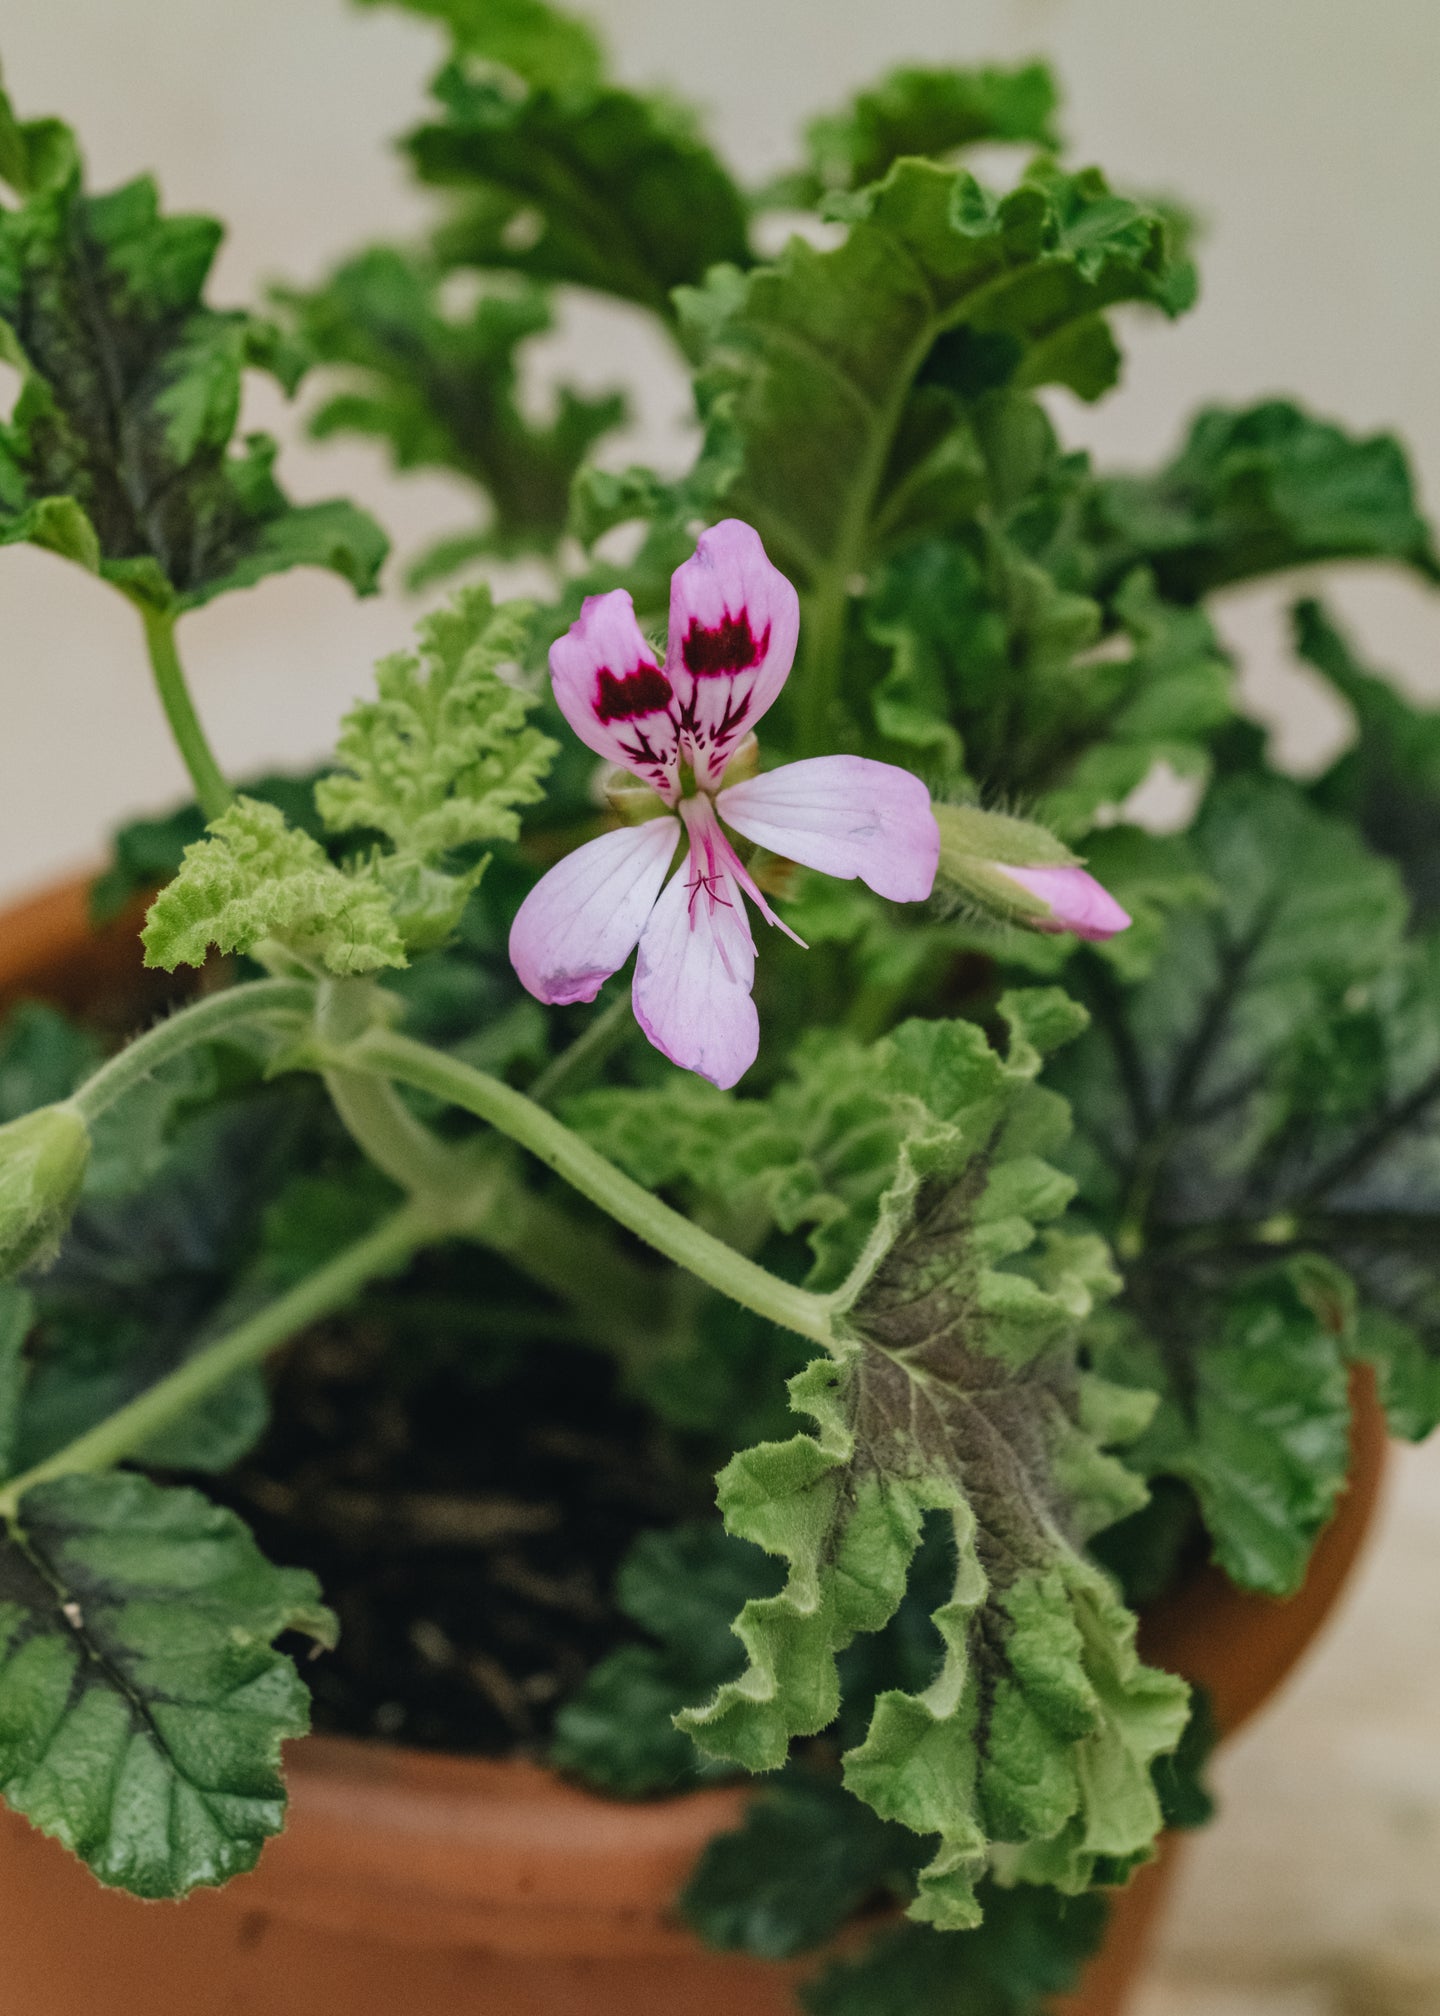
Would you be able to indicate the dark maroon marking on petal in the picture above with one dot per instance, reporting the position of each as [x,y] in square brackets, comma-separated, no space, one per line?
[646,690]
[730,647]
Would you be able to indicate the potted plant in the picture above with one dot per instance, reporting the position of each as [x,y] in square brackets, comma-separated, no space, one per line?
[1010,1224]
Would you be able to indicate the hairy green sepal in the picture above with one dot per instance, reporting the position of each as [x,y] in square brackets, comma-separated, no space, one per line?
[43,1159]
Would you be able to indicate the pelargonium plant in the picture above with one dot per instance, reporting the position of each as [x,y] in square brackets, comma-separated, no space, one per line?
[1004,1235]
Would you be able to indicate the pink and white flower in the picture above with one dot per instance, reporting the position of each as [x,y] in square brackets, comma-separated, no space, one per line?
[734,622]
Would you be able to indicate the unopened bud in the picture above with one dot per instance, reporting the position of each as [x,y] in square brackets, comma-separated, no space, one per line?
[43,1158]
[1019,872]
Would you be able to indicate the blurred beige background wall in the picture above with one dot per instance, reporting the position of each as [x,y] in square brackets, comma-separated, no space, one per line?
[1307,133]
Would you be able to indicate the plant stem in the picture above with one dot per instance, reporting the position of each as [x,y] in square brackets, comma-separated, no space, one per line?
[127,1431]
[575,1064]
[753,1287]
[206,775]
[200,1022]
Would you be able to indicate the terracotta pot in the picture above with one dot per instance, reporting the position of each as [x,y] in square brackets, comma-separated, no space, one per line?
[410,1884]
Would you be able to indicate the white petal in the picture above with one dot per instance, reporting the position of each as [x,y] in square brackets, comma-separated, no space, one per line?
[614,695]
[734,620]
[693,977]
[580,923]
[846,816]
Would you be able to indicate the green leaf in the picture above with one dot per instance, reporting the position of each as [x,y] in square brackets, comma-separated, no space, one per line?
[144,1708]
[118,453]
[603,188]
[955,1390]
[43,1057]
[545,46]
[1031,1945]
[444,757]
[914,111]
[1258,1127]
[806,1857]
[17,1313]
[439,388]
[809,363]
[253,877]
[683,1587]
[1258,489]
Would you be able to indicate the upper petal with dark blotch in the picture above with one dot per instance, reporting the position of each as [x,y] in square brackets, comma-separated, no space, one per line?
[582,920]
[846,816]
[734,621]
[614,694]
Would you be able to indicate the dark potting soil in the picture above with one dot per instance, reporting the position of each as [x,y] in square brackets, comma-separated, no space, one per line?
[466,1535]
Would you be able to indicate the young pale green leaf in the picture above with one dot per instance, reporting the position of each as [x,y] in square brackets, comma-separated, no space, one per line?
[1031,1946]
[118,453]
[254,877]
[1256,1125]
[444,758]
[144,1704]
[1258,489]
[920,112]
[602,188]
[440,390]
[956,1391]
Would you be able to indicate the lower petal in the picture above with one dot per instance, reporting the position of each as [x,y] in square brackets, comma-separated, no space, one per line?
[693,979]
[847,816]
[581,922]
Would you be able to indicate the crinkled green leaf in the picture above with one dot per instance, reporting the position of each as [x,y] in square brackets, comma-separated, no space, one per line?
[545,46]
[118,453]
[809,363]
[1258,1126]
[440,390]
[915,111]
[142,1707]
[683,1587]
[1031,1945]
[1258,489]
[254,877]
[955,1390]
[603,188]
[444,758]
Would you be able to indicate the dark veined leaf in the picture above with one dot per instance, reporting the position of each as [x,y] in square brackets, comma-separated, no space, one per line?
[956,1391]
[439,389]
[1258,1125]
[930,112]
[683,1588]
[118,453]
[144,1704]
[1031,1945]
[603,189]
[1257,489]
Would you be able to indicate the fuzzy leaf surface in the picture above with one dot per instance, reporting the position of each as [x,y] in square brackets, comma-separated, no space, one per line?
[119,452]
[143,1704]
[255,877]
[956,1390]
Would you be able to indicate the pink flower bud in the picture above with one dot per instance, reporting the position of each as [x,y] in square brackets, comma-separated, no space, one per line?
[1077,901]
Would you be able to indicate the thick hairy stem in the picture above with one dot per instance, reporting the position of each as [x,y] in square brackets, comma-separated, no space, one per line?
[252,1002]
[510,1112]
[198,757]
[126,1432]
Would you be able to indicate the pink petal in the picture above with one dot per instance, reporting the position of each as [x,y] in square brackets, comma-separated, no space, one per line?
[1077,901]
[734,620]
[613,693]
[694,973]
[582,920]
[846,816]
